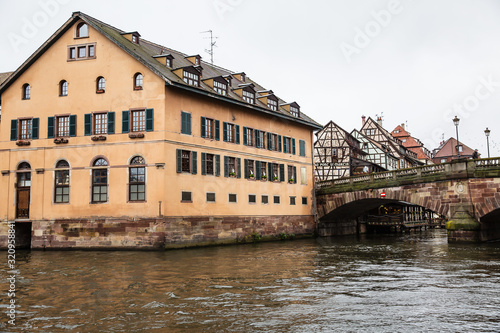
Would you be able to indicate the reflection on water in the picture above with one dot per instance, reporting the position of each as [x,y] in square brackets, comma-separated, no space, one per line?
[410,283]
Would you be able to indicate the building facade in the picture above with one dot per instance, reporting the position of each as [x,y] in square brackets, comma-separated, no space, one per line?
[413,144]
[449,150]
[111,141]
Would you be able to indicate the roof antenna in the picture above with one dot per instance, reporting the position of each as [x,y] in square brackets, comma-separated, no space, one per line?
[212,44]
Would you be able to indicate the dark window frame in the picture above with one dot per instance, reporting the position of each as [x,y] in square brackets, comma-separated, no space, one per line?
[100,85]
[63,88]
[74,54]
[137,168]
[100,180]
[26,92]
[138,81]
[62,182]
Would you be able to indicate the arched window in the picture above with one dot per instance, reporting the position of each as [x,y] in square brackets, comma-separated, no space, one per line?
[138,81]
[63,88]
[26,91]
[101,85]
[100,181]
[82,30]
[61,185]
[23,190]
[137,179]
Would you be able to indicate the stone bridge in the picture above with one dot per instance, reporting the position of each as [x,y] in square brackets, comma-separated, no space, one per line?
[465,192]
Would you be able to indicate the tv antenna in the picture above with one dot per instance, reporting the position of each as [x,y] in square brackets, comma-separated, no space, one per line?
[212,44]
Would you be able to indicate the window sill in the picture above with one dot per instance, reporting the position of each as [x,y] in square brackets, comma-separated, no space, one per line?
[23,143]
[137,88]
[100,92]
[98,138]
[136,201]
[98,203]
[63,95]
[186,201]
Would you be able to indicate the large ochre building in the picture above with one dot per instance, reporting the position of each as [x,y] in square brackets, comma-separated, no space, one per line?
[111,141]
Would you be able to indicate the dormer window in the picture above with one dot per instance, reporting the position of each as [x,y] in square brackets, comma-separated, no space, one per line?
[135,39]
[195,59]
[249,96]
[169,62]
[220,88]
[26,91]
[240,76]
[370,131]
[82,30]
[272,104]
[138,81]
[191,78]
[294,111]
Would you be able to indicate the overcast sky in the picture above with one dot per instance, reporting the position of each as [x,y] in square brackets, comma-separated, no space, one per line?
[417,62]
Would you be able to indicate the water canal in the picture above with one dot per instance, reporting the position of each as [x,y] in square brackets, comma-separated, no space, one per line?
[400,283]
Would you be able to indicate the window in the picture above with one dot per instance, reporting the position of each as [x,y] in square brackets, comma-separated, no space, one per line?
[138,120]
[262,139]
[220,88]
[304,200]
[186,123]
[210,164]
[365,146]
[61,182]
[232,167]
[401,163]
[443,160]
[186,196]
[249,96]
[82,30]
[137,179]
[370,131]
[287,145]
[62,126]
[169,62]
[273,142]
[302,148]
[460,148]
[275,169]
[186,161]
[248,136]
[396,131]
[263,170]
[265,199]
[100,123]
[101,85]
[25,129]
[303,176]
[294,111]
[272,104]
[134,39]
[191,78]
[252,198]
[210,128]
[231,133]
[26,91]
[82,51]
[403,140]
[276,199]
[138,81]
[100,181]
[232,197]
[210,197]
[334,152]
[292,174]
[63,88]
[292,201]
[249,169]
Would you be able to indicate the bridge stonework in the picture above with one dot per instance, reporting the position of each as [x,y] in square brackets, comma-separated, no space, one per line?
[466,192]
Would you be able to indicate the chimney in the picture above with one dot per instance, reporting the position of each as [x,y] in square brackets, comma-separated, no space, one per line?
[363,119]
[403,125]
[379,121]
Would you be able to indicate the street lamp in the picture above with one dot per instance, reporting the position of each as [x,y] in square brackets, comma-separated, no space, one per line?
[487,133]
[456,121]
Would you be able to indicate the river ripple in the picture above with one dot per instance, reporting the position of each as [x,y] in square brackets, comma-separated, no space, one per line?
[410,283]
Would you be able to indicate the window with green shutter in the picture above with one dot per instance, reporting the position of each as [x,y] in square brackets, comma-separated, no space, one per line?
[302,148]
[185,123]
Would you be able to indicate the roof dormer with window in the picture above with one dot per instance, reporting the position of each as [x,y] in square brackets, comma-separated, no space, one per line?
[270,100]
[165,59]
[194,59]
[190,75]
[240,76]
[132,36]
[219,84]
[293,108]
[246,92]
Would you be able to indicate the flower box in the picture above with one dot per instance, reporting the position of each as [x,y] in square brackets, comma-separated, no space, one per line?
[136,135]
[98,138]
[60,140]
[23,143]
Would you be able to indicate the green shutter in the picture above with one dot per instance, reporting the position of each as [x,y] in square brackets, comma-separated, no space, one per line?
[194,164]
[246,168]
[238,134]
[179,160]
[244,136]
[34,128]
[270,175]
[226,166]
[257,138]
[111,123]
[238,167]
[269,141]
[87,119]
[293,146]
[217,130]
[257,170]
[203,163]
[203,127]
[284,144]
[125,121]
[13,130]
[224,131]
[279,143]
[282,172]
[50,127]
[217,165]
[295,175]
[72,125]
[150,120]
[302,148]
[185,123]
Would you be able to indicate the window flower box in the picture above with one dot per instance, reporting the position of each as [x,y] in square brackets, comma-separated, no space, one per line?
[23,143]
[232,174]
[98,138]
[60,140]
[136,135]
[276,179]
[290,180]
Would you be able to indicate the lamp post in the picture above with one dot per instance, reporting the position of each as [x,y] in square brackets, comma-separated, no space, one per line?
[456,120]
[487,133]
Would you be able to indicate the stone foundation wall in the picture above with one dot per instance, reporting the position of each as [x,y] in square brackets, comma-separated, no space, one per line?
[159,233]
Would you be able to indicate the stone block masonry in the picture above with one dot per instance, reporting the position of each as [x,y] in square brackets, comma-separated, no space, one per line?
[161,233]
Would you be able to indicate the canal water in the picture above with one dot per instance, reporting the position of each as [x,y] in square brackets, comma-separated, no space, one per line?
[399,283]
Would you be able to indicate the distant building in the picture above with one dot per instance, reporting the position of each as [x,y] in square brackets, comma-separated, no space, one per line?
[339,154]
[3,77]
[376,153]
[412,143]
[448,150]
[375,132]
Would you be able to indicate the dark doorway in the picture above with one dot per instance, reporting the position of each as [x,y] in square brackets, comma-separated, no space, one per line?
[23,235]
[23,191]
